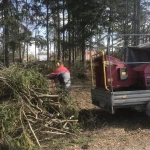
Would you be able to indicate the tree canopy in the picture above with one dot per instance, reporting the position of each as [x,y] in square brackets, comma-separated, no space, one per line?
[66,28]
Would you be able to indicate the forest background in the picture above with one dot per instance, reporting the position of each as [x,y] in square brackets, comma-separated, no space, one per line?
[65,29]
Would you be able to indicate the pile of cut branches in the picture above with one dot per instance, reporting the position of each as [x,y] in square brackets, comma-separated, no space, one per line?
[29,114]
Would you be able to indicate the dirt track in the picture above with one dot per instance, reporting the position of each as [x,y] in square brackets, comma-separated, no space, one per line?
[126,130]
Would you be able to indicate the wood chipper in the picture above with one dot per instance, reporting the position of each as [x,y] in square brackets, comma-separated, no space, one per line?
[117,84]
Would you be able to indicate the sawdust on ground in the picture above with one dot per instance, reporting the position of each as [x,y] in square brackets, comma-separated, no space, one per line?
[126,130]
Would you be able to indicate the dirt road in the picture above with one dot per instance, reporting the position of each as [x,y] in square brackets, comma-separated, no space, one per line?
[126,130]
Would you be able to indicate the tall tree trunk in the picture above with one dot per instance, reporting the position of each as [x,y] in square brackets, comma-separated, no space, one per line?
[66,52]
[47,30]
[63,46]
[27,35]
[108,41]
[58,31]
[73,50]
[109,32]
[83,47]
[35,45]
[138,20]
[20,58]
[50,54]
[6,34]
[90,47]
[69,37]
[55,45]
[125,28]
[112,43]
[27,52]
[134,23]
[75,55]
[23,52]
[13,53]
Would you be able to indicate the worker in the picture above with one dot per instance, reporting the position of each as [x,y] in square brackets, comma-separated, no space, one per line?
[62,74]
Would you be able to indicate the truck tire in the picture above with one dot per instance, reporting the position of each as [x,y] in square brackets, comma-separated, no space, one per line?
[148,109]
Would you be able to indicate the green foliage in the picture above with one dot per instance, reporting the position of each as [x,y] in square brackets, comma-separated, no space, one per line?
[78,70]
[19,79]
[22,111]
[42,67]
[68,108]
[18,83]
[11,130]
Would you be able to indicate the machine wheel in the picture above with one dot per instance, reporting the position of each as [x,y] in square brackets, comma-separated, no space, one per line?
[148,109]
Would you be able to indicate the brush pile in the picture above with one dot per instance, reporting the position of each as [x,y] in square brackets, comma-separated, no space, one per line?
[29,113]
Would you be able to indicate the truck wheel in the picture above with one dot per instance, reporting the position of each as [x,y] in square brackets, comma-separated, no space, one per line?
[148,109]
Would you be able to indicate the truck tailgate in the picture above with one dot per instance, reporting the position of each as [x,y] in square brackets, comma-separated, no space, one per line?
[109,101]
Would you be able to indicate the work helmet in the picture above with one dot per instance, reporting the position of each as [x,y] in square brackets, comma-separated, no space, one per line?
[58,63]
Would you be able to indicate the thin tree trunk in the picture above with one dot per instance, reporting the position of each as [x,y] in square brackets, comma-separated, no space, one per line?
[35,46]
[6,34]
[20,58]
[109,32]
[66,52]
[58,31]
[55,37]
[27,35]
[138,20]
[125,28]
[108,41]
[50,54]
[23,52]
[112,43]
[75,55]
[134,23]
[63,46]
[13,53]
[73,52]
[47,31]
[83,47]
[27,53]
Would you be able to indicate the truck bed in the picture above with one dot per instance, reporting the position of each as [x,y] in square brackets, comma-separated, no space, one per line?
[110,101]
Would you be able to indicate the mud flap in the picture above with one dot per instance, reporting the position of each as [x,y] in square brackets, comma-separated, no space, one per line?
[148,109]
